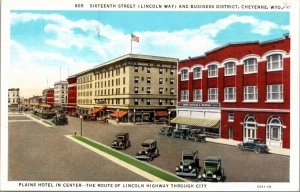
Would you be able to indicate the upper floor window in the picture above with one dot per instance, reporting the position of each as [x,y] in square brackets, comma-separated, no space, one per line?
[184,74]
[136,68]
[171,71]
[250,65]
[197,95]
[160,80]
[250,93]
[229,93]
[160,71]
[148,69]
[171,81]
[136,79]
[184,95]
[275,62]
[213,71]
[212,94]
[172,91]
[230,68]
[274,93]
[148,79]
[197,73]
[161,90]
[148,90]
[136,90]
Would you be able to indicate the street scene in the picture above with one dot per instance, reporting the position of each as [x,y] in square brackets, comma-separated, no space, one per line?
[37,152]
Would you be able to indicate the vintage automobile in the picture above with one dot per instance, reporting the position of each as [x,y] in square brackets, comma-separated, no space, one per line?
[166,130]
[196,135]
[121,142]
[181,133]
[255,145]
[212,170]
[60,120]
[148,150]
[189,164]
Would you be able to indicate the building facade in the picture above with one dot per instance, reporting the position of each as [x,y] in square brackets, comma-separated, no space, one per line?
[72,94]
[13,97]
[243,88]
[48,97]
[132,86]
[60,94]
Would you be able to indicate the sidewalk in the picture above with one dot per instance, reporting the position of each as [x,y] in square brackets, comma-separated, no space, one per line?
[274,150]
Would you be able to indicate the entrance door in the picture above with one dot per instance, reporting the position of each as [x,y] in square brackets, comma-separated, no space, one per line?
[230,133]
[250,127]
[274,131]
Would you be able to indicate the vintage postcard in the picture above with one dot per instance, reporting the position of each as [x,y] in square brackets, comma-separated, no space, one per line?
[108,95]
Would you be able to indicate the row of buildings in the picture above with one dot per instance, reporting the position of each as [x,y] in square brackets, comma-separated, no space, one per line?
[237,91]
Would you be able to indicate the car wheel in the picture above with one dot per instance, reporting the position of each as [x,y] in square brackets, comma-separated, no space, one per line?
[150,158]
[257,150]
[240,147]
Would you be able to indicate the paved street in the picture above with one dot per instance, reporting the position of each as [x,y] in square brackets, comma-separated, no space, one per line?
[40,153]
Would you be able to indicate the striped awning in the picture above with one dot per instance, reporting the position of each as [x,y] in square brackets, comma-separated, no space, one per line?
[118,113]
[194,121]
[97,109]
[161,114]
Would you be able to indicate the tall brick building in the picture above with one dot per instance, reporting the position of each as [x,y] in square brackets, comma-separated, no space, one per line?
[238,91]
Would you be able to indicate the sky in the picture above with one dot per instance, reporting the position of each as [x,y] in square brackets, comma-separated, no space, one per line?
[48,46]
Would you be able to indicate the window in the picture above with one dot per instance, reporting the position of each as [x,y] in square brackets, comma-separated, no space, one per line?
[230,68]
[212,94]
[136,79]
[171,81]
[250,65]
[124,81]
[161,90]
[171,71]
[172,101]
[148,90]
[160,71]
[148,69]
[148,102]
[250,93]
[160,102]
[197,95]
[160,81]
[148,79]
[136,101]
[136,90]
[274,93]
[184,95]
[213,71]
[250,127]
[184,74]
[172,91]
[197,73]
[136,68]
[231,117]
[229,93]
[274,62]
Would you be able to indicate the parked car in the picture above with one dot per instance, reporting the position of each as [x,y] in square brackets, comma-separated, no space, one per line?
[166,130]
[212,170]
[189,164]
[148,150]
[121,142]
[60,120]
[255,145]
[181,133]
[196,135]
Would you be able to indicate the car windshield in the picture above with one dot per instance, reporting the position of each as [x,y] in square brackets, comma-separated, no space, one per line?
[210,164]
[145,145]
[188,157]
[120,137]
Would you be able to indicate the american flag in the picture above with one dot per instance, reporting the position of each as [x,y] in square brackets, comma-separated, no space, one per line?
[135,38]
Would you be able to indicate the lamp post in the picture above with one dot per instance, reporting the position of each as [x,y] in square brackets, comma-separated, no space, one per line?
[169,112]
[133,116]
[80,124]
[118,115]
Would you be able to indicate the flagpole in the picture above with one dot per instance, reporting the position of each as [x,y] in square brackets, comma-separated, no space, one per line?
[131,43]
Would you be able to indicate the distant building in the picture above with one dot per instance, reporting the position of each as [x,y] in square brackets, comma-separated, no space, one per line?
[131,87]
[238,91]
[13,97]
[72,94]
[60,93]
[48,96]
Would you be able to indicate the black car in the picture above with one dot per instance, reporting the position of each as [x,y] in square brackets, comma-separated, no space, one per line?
[121,142]
[196,135]
[255,145]
[166,130]
[189,164]
[213,170]
[181,133]
[148,150]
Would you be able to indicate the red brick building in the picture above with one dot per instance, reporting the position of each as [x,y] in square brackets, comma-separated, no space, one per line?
[238,91]
[72,94]
[48,96]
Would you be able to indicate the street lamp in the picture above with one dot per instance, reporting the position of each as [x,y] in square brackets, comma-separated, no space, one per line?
[133,116]
[118,115]
[169,112]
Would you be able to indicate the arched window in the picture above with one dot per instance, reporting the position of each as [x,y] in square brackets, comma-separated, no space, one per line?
[274,131]
[212,70]
[250,127]
[275,62]
[230,68]
[184,74]
[197,73]
[250,65]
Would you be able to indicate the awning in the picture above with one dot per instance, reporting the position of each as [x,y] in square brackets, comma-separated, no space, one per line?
[200,122]
[161,114]
[97,109]
[119,113]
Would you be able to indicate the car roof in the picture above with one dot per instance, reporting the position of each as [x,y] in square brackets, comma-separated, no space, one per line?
[149,141]
[212,158]
[189,152]
[122,134]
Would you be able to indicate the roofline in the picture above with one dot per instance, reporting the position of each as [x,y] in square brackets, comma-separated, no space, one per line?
[236,43]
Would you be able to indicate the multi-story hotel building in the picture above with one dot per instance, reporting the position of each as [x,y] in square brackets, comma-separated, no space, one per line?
[72,94]
[60,93]
[13,97]
[136,87]
[239,91]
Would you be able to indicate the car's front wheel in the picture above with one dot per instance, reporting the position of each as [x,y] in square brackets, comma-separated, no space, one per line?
[257,150]
[240,147]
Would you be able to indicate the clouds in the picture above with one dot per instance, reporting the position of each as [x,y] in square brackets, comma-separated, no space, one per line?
[73,43]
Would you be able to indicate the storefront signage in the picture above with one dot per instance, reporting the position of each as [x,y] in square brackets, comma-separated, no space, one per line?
[199,104]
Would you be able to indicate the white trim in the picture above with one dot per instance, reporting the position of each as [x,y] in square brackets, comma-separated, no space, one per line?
[182,68]
[272,52]
[196,65]
[229,60]
[212,63]
[257,110]
[249,57]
